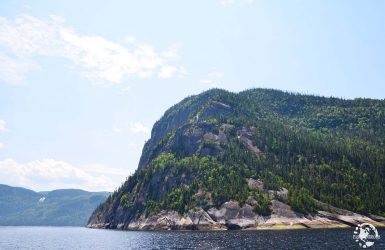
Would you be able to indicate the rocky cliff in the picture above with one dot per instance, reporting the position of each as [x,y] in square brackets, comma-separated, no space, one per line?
[257,159]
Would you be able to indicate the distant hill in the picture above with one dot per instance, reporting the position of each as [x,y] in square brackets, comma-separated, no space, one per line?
[238,160]
[64,207]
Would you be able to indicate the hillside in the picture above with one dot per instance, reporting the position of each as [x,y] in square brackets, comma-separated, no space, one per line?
[258,158]
[66,207]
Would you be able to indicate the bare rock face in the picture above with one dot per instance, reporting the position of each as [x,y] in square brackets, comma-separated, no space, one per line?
[377,218]
[247,138]
[177,117]
[246,218]
[246,212]
[202,221]
[193,139]
[349,219]
[230,216]
[226,126]
[234,216]
[189,138]
[220,138]
[255,184]
[195,219]
[228,210]
[283,193]
[281,209]
[165,220]
[215,108]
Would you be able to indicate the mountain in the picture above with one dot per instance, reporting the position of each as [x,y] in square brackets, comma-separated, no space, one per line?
[255,159]
[65,207]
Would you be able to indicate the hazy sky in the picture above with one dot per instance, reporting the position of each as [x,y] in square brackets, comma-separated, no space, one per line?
[82,82]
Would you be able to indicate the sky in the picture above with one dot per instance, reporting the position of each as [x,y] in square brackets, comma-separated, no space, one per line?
[83,82]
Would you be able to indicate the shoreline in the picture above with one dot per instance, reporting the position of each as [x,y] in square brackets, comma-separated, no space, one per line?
[233,217]
[260,228]
[224,227]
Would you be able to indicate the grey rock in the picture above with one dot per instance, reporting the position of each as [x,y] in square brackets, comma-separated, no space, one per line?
[255,184]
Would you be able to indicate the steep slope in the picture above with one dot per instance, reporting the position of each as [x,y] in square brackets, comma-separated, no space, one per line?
[66,207]
[227,160]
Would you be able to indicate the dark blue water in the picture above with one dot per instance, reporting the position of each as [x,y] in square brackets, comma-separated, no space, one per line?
[83,238]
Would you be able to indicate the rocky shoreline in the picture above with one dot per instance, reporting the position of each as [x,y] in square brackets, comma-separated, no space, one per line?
[231,216]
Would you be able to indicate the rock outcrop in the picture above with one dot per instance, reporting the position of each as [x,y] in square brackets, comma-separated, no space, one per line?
[231,216]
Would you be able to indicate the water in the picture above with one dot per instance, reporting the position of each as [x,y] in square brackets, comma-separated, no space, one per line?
[83,238]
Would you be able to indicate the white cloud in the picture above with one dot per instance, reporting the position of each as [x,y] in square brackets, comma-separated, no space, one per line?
[167,71]
[213,78]
[99,58]
[13,69]
[172,52]
[139,128]
[3,128]
[1,145]
[49,174]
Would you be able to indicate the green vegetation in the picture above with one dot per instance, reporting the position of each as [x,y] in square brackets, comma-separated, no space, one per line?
[302,201]
[325,149]
[67,207]
[263,206]
[125,200]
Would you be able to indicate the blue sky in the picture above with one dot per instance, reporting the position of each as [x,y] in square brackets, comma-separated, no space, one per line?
[82,82]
